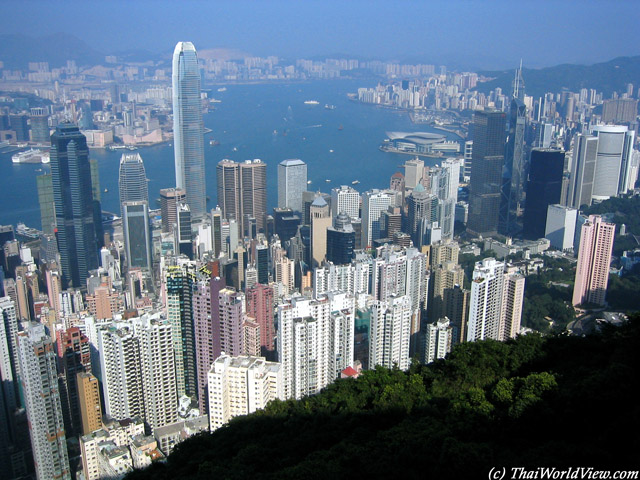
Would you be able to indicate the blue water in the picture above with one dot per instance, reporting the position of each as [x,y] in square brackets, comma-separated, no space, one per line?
[245,121]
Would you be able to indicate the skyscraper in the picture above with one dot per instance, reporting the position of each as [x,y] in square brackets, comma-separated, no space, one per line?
[583,167]
[39,379]
[374,203]
[72,193]
[132,179]
[188,128]
[137,234]
[242,192]
[292,182]
[170,198]
[44,183]
[341,240]
[390,332]
[345,199]
[543,189]
[594,259]
[485,310]
[613,160]
[486,173]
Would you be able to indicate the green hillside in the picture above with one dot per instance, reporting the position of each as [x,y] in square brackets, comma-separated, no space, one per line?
[536,401]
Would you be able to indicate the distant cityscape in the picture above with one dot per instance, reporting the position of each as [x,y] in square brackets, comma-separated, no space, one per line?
[124,333]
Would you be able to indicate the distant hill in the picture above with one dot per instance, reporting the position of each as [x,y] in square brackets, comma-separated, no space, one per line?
[16,50]
[606,77]
[553,401]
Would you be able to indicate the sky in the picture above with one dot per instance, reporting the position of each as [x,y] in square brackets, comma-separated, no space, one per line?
[479,34]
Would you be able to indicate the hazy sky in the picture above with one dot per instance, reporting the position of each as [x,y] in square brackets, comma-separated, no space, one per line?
[475,33]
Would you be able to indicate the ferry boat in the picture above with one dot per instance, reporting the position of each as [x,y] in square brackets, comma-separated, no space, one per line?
[311,102]
[33,155]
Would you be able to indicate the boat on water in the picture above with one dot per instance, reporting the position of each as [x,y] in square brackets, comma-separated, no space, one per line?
[214,143]
[330,151]
[355,182]
[33,155]
[308,182]
[116,147]
[329,107]
[328,180]
[340,127]
[222,89]
[311,102]
[106,190]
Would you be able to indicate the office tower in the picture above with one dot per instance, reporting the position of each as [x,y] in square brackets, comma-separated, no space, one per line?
[613,160]
[206,319]
[286,223]
[320,222]
[137,234]
[315,341]
[512,301]
[72,193]
[184,234]
[391,222]
[543,189]
[485,309]
[262,263]
[132,179]
[188,128]
[583,167]
[345,199]
[170,198]
[39,382]
[19,124]
[307,199]
[594,259]
[389,333]
[180,286]
[292,182]
[468,157]
[285,275]
[422,209]
[396,182]
[216,232]
[444,276]
[444,184]
[157,367]
[240,385]
[438,340]
[374,202]
[456,309]
[242,192]
[341,240]
[40,126]
[89,402]
[486,174]
[561,226]
[413,172]
[47,206]
[544,138]
[260,306]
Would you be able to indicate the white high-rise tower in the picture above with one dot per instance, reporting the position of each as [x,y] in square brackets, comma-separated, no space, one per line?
[188,128]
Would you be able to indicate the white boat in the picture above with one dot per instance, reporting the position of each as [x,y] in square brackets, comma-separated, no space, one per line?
[222,89]
[33,155]
[311,102]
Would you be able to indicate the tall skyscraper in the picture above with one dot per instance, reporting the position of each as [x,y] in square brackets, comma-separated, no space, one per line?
[374,203]
[613,160]
[583,168]
[561,226]
[486,173]
[486,300]
[422,209]
[89,402]
[341,240]
[594,259]
[242,192]
[170,198]
[345,199]
[320,222]
[132,179]
[260,307]
[39,379]
[44,183]
[40,125]
[292,182]
[137,234]
[75,215]
[543,189]
[390,332]
[188,127]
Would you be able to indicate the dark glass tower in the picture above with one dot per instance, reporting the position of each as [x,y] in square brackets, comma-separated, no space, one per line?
[341,240]
[544,189]
[72,194]
[486,172]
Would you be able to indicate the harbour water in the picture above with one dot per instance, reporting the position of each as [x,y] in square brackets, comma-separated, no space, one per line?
[266,121]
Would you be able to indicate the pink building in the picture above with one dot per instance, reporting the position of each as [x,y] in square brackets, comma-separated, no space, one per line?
[206,322]
[260,307]
[594,258]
